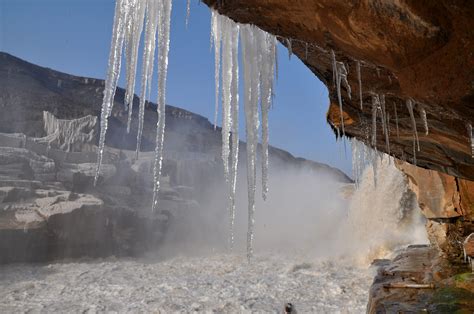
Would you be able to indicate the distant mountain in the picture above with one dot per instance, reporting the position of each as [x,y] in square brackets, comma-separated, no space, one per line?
[26,90]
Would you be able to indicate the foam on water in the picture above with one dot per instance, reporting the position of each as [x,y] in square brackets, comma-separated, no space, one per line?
[225,283]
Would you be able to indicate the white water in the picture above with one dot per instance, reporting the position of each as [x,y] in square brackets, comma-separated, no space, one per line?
[222,283]
[317,257]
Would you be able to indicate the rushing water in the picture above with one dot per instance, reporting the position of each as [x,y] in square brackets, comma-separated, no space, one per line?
[225,283]
[313,248]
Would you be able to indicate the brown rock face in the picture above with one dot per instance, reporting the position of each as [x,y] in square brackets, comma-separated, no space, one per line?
[420,50]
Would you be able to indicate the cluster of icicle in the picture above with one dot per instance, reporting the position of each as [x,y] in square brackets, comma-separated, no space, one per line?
[362,157]
[258,51]
[132,17]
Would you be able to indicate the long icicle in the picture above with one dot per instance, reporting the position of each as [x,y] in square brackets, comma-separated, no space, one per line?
[375,104]
[216,40]
[251,74]
[114,64]
[163,49]
[151,26]
[267,62]
[226,90]
[413,122]
[235,130]
[133,42]
[385,123]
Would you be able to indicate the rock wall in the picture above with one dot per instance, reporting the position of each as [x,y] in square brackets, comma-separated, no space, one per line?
[446,202]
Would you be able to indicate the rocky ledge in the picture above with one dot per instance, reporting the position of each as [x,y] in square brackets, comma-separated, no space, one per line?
[418,280]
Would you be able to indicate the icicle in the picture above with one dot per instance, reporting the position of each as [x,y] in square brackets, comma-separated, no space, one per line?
[375,104]
[340,76]
[290,48]
[471,137]
[385,123]
[425,120]
[134,32]
[334,68]
[226,28]
[216,39]
[396,119]
[413,122]
[151,25]
[113,72]
[359,79]
[251,86]
[163,50]
[235,129]
[267,62]
[188,11]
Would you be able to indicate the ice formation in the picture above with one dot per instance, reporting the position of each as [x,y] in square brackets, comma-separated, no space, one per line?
[290,47]
[415,131]
[67,134]
[258,59]
[133,34]
[188,11]
[339,73]
[359,79]
[363,156]
[425,120]
[216,40]
[163,50]
[471,137]
[396,119]
[385,123]
[375,105]
[131,16]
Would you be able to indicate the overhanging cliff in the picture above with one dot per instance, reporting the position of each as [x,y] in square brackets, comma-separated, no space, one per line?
[419,50]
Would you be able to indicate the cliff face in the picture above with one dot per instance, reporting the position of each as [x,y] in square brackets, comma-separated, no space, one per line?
[419,50]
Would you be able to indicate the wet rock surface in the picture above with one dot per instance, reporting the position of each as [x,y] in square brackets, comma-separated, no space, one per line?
[419,280]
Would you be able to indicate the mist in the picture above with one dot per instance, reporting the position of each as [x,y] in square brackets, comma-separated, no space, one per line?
[307,213]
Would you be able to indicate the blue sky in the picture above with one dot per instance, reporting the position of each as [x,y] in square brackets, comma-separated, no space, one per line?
[73,36]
